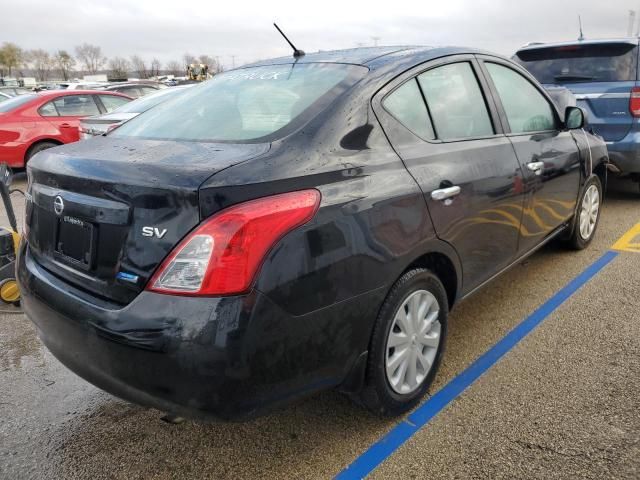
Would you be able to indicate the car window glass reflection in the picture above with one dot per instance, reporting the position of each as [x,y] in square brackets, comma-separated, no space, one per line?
[407,106]
[455,101]
[526,109]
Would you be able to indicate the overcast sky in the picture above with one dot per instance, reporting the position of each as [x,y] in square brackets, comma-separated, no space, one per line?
[223,28]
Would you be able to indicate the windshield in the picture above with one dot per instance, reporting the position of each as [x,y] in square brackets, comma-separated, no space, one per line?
[605,62]
[145,103]
[252,104]
[15,102]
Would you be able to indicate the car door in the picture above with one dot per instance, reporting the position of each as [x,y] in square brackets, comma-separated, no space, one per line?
[543,146]
[65,112]
[446,130]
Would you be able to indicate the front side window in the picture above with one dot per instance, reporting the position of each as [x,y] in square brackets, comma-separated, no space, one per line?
[111,102]
[526,108]
[249,104]
[407,106]
[456,103]
[75,106]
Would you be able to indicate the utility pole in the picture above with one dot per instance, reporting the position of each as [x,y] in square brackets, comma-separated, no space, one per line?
[632,22]
[375,41]
[233,61]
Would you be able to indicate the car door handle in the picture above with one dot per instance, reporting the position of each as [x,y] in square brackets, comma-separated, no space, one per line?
[536,167]
[444,193]
[65,125]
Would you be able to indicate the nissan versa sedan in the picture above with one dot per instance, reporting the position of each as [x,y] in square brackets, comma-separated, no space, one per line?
[298,225]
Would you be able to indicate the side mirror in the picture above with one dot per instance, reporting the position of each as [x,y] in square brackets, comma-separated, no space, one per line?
[574,118]
[5,174]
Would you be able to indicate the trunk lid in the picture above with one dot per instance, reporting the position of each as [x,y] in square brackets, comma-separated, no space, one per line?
[103,214]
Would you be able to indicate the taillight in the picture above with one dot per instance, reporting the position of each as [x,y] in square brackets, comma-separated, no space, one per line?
[222,255]
[634,102]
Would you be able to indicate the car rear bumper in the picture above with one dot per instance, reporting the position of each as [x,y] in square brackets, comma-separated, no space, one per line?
[208,358]
[12,154]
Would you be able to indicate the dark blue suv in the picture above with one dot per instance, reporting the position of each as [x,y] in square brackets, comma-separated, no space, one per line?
[603,75]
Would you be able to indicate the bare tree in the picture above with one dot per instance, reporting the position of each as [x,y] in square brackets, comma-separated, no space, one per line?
[139,66]
[119,67]
[10,57]
[175,68]
[188,59]
[155,67]
[206,60]
[65,63]
[91,57]
[41,62]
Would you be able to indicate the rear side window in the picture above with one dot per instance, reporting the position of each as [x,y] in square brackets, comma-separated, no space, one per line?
[111,102]
[526,108]
[147,90]
[407,106]
[606,62]
[455,101]
[70,106]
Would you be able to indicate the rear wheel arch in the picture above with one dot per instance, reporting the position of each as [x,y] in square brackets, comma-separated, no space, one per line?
[601,171]
[444,268]
[34,146]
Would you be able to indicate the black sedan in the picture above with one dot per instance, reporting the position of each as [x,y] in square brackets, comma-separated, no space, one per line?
[298,225]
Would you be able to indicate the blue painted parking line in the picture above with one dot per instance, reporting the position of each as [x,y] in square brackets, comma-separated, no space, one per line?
[389,443]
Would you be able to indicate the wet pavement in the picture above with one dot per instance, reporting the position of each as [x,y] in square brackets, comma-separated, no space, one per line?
[564,403]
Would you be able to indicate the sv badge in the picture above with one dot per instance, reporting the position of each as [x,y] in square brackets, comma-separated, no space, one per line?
[153,232]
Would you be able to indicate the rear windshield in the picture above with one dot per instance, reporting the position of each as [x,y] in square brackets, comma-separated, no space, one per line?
[252,104]
[15,102]
[610,62]
[145,103]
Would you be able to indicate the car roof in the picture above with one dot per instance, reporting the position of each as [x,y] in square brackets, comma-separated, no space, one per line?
[132,84]
[62,93]
[601,41]
[371,57]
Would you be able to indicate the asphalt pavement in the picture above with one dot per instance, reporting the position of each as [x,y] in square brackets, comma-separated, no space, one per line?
[563,403]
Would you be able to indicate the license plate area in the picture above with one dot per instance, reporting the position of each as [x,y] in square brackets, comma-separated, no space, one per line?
[75,242]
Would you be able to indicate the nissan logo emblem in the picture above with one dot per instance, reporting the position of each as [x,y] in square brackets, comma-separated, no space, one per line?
[58,205]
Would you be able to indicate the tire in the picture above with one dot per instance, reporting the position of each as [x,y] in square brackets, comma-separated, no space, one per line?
[387,394]
[38,147]
[581,236]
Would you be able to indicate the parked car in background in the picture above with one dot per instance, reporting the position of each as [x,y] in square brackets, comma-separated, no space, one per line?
[84,85]
[36,121]
[101,124]
[603,75]
[299,224]
[13,91]
[135,89]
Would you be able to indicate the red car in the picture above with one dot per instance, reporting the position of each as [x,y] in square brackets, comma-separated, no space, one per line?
[34,122]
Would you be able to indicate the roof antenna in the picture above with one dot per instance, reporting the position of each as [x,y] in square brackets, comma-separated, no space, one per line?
[581,37]
[296,53]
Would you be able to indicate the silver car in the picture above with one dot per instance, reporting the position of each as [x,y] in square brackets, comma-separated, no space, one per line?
[101,124]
